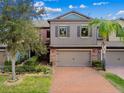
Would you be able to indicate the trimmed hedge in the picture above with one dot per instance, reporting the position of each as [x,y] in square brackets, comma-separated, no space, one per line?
[96,63]
[32,61]
[29,69]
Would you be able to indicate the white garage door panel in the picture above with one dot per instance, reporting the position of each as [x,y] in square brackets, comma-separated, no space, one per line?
[73,58]
[115,59]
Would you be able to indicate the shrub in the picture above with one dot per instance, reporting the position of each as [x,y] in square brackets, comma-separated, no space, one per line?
[7,63]
[22,69]
[32,61]
[29,69]
[44,69]
[97,63]
[8,68]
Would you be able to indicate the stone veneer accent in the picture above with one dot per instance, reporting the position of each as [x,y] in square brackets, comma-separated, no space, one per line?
[53,56]
[95,54]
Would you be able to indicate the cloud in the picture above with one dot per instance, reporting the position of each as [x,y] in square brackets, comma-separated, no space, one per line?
[100,3]
[114,17]
[109,15]
[71,6]
[49,9]
[39,4]
[82,6]
[121,12]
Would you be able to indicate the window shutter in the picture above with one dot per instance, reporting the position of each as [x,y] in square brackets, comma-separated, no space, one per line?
[56,31]
[68,31]
[90,31]
[78,31]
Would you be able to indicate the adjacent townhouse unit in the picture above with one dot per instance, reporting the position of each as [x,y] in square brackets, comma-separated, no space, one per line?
[74,43]
[43,28]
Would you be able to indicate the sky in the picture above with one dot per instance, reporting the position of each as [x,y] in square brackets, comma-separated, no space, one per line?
[107,9]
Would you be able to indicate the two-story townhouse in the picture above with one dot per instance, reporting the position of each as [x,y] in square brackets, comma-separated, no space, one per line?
[74,43]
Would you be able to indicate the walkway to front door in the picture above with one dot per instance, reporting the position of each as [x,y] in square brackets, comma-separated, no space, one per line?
[79,80]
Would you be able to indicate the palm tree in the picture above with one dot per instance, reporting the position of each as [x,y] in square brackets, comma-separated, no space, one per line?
[106,27]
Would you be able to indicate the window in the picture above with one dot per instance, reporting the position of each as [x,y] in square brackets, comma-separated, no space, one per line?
[84,31]
[63,31]
[48,33]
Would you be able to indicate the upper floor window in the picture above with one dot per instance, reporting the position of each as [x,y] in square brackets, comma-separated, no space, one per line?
[48,33]
[84,31]
[62,31]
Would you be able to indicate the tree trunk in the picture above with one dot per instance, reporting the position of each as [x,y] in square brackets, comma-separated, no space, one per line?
[13,68]
[7,56]
[104,55]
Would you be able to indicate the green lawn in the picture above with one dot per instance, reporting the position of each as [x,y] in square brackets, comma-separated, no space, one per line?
[116,81]
[30,84]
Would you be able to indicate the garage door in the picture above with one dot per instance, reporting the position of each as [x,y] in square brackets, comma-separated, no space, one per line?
[115,58]
[73,58]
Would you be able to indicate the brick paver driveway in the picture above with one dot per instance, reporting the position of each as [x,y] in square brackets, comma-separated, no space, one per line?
[79,80]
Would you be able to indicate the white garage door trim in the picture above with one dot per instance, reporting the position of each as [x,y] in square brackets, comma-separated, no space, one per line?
[70,57]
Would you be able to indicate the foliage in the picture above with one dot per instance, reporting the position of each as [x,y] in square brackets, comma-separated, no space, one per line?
[16,29]
[96,63]
[116,81]
[30,84]
[32,61]
[106,27]
[22,69]
[44,69]
[7,63]
[7,68]
[29,69]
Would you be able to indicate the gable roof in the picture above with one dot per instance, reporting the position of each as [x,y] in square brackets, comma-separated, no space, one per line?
[74,13]
[61,17]
[41,23]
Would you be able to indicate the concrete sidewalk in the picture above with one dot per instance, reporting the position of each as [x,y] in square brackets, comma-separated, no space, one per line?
[79,80]
[117,70]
